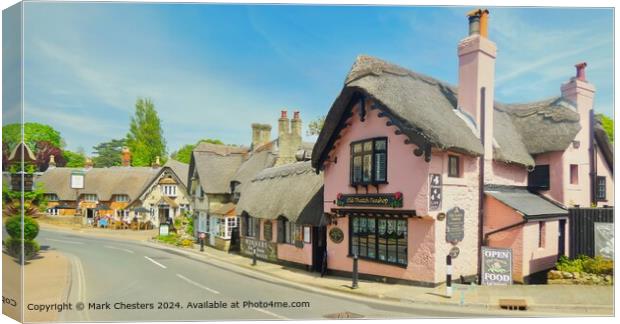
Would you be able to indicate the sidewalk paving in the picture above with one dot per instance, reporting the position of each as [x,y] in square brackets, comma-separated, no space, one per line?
[555,299]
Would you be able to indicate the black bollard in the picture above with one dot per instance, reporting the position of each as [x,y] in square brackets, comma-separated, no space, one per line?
[202,244]
[254,257]
[354,284]
[449,275]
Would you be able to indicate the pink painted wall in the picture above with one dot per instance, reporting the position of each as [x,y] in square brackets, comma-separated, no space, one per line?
[537,258]
[461,192]
[288,252]
[556,174]
[602,169]
[407,173]
[507,174]
[498,215]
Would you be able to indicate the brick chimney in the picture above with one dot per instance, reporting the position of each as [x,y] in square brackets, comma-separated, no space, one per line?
[261,134]
[157,163]
[125,157]
[289,138]
[477,76]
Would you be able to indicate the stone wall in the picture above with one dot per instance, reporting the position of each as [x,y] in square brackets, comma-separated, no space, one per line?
[555,277]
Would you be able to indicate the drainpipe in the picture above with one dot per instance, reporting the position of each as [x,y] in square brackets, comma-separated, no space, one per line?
[592,151]
[481,182]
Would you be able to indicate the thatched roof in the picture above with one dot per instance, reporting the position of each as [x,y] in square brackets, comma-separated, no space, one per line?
[426,108]
[604,144]
[293,191]
[257,161]
[180,169]
[104,182]
[216,165]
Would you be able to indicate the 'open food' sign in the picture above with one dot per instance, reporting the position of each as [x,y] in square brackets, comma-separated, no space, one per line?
[496,266]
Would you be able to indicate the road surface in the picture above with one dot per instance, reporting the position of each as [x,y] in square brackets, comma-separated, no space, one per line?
[126,281]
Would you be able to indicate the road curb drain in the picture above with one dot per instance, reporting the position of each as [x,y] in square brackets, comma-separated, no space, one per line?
[513,304]
[343,315]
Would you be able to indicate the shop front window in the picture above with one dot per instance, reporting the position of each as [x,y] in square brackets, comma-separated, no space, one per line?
[381,239]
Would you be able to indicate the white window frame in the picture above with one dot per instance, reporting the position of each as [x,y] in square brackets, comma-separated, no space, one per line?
[169,190]
[118,198]
[52,211]
[86,197]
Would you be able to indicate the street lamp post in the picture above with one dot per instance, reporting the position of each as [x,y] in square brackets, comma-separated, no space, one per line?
[354,285]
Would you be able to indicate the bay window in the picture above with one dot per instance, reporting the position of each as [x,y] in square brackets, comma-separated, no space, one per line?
[369,161]
[379,239]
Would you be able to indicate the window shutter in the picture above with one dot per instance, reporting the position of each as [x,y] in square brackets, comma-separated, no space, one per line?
[280,231]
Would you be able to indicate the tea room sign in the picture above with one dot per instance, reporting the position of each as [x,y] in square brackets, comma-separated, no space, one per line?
[394,200]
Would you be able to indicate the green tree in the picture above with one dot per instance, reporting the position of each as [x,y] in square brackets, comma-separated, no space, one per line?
[74,159]
[33,133]
[146,137]
[315,126]
[108,154]
[184,154]
[608,125]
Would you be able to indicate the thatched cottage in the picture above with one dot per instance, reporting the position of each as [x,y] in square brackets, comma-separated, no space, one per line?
[416,169]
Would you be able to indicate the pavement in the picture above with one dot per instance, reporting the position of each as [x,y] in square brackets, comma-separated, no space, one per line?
[550,300]
[45,281]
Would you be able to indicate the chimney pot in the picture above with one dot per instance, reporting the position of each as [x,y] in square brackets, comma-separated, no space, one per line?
[283,114]
[296,115]
[478,22]
[581,71]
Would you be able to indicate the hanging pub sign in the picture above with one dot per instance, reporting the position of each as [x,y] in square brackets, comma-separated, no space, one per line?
[434,200]
[394,200]
[496,266]
[336,235]
[455,225]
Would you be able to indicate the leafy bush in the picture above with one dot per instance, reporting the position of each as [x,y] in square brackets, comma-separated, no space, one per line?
[31,227]
[596,265]
[14,248]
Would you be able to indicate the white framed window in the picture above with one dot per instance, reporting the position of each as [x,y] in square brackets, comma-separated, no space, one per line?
[52,211]
[122,213]
[121,198]
[89,197]
[169,190]
[307,234]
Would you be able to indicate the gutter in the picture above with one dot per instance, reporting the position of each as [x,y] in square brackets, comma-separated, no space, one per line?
[481,183]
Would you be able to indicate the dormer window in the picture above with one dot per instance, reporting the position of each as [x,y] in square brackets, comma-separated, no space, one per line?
[169,190]
[121,198]
[89,197]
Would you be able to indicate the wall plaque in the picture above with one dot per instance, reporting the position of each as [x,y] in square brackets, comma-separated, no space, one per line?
[455,225]
[336,235]
[496,266]
[394,200]
[434,197]
[454,252]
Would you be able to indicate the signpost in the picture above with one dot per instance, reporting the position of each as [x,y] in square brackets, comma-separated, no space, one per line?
[496,266]
[435,192]
[164,230]
[455,225]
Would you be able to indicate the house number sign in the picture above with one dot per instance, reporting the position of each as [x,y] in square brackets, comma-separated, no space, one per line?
[434,199]
[455,225]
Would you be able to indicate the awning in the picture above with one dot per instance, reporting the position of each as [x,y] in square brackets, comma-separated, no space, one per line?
[141,210]
[102,207]
[531,205]
[64,207]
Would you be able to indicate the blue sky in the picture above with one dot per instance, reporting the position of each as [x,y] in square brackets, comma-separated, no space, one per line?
[212,70]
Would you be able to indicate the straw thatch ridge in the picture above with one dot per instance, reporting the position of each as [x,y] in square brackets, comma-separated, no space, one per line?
[427,108]
[293,191]
[104,182]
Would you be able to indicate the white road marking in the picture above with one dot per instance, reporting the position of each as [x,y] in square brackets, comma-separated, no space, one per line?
[78,272]
[157,263]
[63,241]
[264,311]
[196,284]
[117,248]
